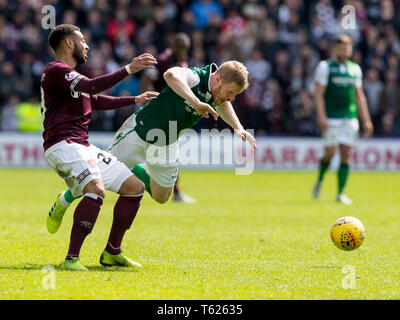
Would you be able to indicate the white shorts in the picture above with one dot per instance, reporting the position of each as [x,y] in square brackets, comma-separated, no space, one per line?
[161,162]
[78,165]
[341,131]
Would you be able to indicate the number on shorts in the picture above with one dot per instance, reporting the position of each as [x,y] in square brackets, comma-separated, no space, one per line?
[106,160]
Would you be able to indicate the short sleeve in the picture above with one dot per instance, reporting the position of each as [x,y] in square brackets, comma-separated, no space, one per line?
[192,78]
[322,73]
[359,76]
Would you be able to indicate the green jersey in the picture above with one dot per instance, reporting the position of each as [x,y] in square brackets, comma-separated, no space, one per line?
[340,80]
[169,106]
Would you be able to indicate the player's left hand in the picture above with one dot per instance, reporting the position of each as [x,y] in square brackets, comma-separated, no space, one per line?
[368,129]
[246,136]
[146,97]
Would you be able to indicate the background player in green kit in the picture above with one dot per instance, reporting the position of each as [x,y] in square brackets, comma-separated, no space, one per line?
[190,94]
[339,99]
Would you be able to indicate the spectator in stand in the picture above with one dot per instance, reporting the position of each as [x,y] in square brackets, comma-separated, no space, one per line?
[303,116]
[297,81]
[9,80]
[270,44]
[390,101]
[289,33]
[198,58]
[258,67]
[373,88]
[253,114]
[281,68]
[96,25]
[121,28]
[325,13]
[9,120]
[274,104]
[203,9]
[210,38]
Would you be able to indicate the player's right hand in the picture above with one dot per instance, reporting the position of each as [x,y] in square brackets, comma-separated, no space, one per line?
[204,109]
[144,61]
[368,129]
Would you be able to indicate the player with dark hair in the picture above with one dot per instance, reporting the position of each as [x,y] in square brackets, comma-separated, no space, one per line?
[176,55]
[68,99]
[339,99]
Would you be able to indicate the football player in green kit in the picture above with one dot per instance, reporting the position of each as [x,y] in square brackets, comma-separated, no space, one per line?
[339,100]
[148,140]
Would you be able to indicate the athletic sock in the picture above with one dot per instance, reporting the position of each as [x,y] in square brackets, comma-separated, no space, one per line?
[125,211]
[323,167]
[140,172]
[64,202]
[343,173]
[66,199]
[85,216]
[68,196]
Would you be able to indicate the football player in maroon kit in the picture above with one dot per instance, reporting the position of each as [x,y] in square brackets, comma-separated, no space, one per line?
[174,56]
[68,99]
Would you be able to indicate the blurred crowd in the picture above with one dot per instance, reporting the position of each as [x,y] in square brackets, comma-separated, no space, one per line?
[280,42]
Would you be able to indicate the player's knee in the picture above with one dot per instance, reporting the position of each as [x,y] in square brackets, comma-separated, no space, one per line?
[329,155]
[100,191]
[139,187]
[97,187]
[161,197]
[132,186]
[345,156]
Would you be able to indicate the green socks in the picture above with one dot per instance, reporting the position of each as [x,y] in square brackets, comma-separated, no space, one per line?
[323,167]
[68,196]
[140,172]
[343,173]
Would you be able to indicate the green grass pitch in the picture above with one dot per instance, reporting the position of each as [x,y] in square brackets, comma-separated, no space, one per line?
[249,237]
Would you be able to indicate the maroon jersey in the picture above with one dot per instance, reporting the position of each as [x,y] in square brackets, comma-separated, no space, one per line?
[68,98]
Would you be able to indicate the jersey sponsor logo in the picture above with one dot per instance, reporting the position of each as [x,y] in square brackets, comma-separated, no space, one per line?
[92,163]
[343,81]
[201,93]
[189,108]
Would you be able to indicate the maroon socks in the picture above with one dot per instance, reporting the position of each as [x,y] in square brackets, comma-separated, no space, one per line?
[125,211]
[85,216]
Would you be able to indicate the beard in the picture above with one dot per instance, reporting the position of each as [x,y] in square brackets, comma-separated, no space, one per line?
[78,55]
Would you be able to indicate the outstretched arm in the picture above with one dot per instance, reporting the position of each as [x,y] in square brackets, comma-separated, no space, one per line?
[102,102]
[99,84]
[176,78]
[228,114]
